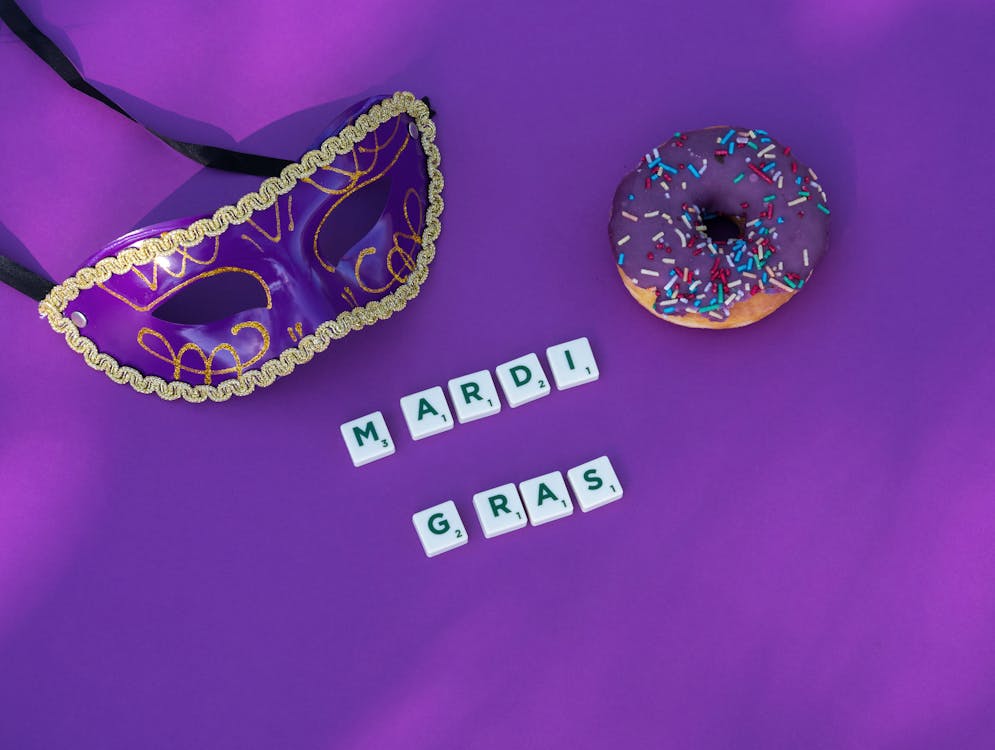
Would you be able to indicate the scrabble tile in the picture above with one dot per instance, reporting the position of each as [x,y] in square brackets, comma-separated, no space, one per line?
[367,438]
[440,528]
[594,483]
[523,380]
[500,510]
[546,498]
[427,413]
[572,363]
[474,396]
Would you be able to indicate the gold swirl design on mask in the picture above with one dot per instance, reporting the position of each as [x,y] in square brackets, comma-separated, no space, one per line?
[191,280]
[355,174]
[296,333]
[53,307]
[251,241]
[278,234]
[350,296]
[352,174]
[356,181]
[407,261]
[175,357]
[185,255]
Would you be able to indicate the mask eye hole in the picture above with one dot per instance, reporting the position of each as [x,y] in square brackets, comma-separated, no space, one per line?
[352,220]
[212,298]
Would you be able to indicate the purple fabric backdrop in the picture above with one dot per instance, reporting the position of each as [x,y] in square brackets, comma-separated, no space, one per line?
[804,554]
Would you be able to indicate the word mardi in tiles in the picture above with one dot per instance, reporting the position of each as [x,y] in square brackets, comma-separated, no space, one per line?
[504,509]
[474,396]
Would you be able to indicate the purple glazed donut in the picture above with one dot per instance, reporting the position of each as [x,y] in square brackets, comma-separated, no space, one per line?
[717,228]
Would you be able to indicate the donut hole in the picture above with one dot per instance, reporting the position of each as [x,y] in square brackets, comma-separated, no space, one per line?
[720,227]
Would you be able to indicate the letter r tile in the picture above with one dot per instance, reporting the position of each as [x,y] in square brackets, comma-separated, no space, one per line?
[500,510]
[474,396]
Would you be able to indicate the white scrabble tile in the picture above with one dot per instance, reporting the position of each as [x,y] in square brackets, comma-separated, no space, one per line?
[572,363]
[427,413]
[523,380]
[500,510]
[595,483]
[546,498]
[367,438]
[474,396]
[440,528]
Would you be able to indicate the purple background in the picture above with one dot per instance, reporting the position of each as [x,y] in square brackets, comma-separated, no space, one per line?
[804,554]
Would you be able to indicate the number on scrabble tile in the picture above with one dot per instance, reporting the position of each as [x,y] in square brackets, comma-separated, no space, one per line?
[572,363]
[367,438]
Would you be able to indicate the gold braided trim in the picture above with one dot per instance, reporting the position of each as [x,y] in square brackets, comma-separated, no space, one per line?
[53,306]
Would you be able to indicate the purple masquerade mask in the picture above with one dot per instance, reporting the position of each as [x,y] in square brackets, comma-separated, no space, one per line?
[213,306]
[338,241]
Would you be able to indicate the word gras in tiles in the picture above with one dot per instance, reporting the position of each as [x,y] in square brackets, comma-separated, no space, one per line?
[508,508]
